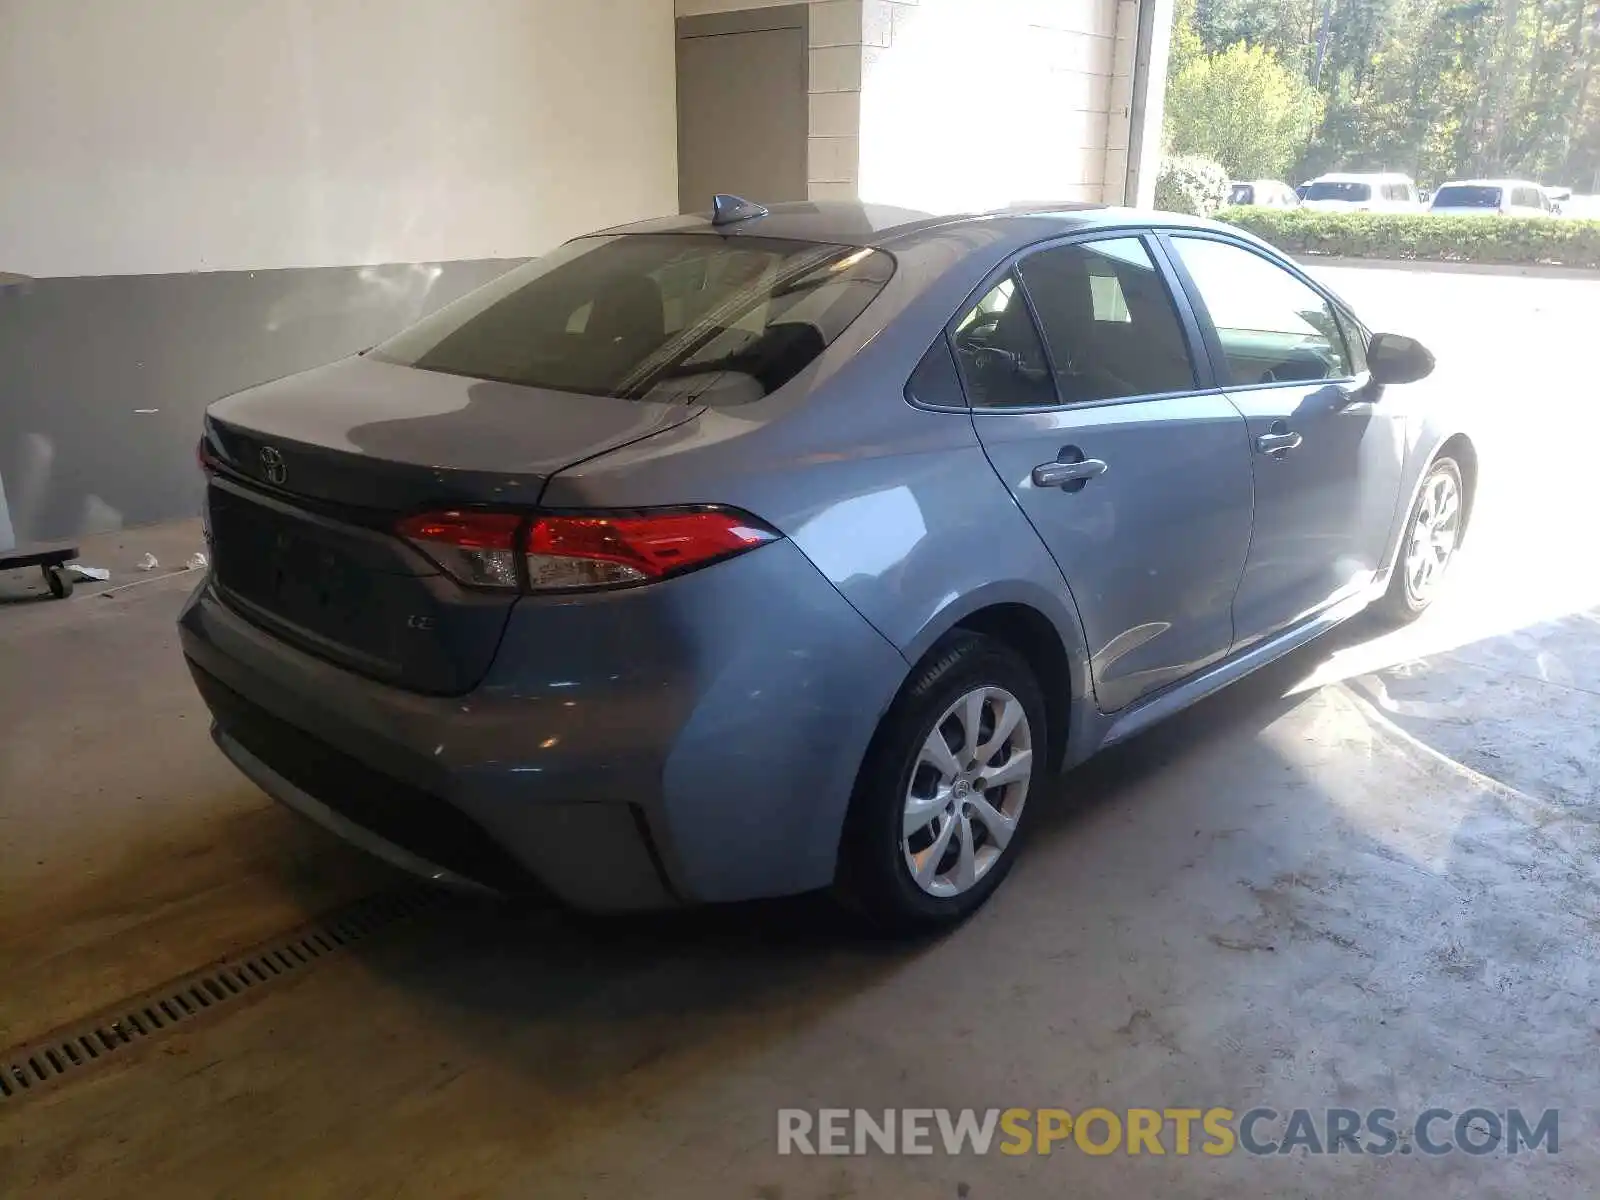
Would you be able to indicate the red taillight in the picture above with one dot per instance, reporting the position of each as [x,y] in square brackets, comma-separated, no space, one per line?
[203,456]
[477,548]
[604,551]
[563,552]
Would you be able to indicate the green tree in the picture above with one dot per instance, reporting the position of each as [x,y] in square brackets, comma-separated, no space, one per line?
[1244,109]
[1187,45]
[1437,88]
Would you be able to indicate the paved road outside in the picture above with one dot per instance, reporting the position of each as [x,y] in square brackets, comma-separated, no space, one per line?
[1367,878]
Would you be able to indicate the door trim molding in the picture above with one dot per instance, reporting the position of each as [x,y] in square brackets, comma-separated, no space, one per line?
[1149,710]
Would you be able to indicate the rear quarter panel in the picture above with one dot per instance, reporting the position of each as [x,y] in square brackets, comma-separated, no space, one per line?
[897,506]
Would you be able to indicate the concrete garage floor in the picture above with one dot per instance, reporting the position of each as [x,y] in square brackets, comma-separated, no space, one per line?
[1367,878]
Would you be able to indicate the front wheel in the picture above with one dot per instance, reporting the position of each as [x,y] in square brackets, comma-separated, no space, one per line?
[935,822]
[1428,545]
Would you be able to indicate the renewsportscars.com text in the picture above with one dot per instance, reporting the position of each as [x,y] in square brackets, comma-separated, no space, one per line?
[1159,1131]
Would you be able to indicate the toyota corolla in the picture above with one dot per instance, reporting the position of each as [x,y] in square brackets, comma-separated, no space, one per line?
[758,552]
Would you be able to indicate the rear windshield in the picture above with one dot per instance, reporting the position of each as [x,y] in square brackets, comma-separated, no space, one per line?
[1467,197]
[671,317]
[1328,190]
[1242,193]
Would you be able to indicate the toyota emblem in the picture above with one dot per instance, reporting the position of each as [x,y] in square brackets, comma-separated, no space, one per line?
[272,466]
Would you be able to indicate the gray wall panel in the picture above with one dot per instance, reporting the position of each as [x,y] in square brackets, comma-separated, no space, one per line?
[103,379]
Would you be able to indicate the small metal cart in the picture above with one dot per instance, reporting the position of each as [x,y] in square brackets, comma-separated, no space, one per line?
[50,559]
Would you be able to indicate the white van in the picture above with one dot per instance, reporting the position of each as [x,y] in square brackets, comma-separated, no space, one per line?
[1340,192]
[1492,197]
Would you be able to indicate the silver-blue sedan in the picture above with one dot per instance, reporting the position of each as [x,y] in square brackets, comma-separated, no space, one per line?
[756,552]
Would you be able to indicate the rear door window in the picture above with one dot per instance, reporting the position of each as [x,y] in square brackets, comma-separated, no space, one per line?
[674,317]
[999,354]
[1108,319]
[935,381]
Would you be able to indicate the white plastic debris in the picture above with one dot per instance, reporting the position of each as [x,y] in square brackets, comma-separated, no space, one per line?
[148,563]
[197,561]
[98,574]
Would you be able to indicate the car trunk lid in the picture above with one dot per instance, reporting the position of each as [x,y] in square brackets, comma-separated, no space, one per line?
[310,474]
[375,435]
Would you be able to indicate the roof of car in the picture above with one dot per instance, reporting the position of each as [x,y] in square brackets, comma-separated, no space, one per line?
[852,223]
[1500,183]
[1362,177]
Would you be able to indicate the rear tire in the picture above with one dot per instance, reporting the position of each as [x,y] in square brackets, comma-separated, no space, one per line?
[932,832]
[1427,543]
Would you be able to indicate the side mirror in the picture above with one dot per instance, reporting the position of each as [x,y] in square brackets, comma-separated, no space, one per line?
[1392,358]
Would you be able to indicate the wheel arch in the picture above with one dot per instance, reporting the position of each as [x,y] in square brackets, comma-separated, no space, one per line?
[1042,629]
[1030,634]
[1456,445]
[1459,447]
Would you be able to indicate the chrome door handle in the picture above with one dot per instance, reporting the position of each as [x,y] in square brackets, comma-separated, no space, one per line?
[1060,474]
[1278,442]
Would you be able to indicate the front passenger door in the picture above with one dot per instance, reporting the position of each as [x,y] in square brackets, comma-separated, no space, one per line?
[1327,458]
[1137,483]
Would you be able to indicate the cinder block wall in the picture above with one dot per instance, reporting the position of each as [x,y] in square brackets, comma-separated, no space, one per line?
[958,104]
[970,103]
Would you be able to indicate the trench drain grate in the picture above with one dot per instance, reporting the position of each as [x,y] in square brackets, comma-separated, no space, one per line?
[69,1051]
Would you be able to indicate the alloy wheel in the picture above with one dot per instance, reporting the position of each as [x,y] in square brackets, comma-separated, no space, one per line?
[967,790]
[1434,534]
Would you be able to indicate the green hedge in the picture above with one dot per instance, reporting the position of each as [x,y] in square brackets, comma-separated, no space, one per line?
[1423,237]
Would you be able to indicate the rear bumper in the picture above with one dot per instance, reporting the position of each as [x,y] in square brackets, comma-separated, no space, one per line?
[696,740]
[331,819]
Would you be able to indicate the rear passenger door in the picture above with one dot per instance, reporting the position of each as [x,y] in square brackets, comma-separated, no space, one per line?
[1327,456]
[1136,479]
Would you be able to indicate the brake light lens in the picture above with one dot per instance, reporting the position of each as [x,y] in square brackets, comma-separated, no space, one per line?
[570,552]
[204,457]
[565,552]
[476,548]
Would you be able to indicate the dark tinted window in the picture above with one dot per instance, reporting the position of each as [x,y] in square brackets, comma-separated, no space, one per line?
[935,381]
[1108,321]
[1467,196]
[1002,361]
[1355,193]
[1241,193]
[673,317]
[1273,327]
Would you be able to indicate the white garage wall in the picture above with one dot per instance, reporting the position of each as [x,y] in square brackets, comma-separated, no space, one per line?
[157,157]
[981,103]
[952,105]
[154,136]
